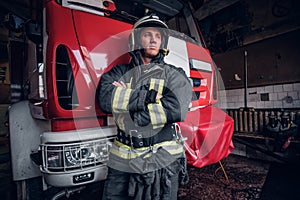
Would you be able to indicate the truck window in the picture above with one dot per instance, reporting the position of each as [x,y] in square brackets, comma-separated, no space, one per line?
[176,14]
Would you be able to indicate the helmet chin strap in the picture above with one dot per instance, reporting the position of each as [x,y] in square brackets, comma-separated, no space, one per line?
[164,51]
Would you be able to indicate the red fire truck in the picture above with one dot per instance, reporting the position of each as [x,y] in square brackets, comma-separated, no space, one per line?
[59,137]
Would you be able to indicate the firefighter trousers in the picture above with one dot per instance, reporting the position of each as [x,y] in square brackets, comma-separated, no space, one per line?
[161,184]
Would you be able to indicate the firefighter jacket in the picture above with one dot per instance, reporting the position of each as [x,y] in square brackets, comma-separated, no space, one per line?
[144,123]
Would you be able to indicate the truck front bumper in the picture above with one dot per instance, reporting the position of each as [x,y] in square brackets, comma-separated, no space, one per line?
[77,157]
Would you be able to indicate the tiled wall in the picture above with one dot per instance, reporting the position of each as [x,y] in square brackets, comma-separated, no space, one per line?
[273,96]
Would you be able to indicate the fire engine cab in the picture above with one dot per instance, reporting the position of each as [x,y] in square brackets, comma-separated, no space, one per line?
[59,136]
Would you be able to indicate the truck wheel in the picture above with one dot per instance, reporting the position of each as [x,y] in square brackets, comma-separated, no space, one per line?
[30,189]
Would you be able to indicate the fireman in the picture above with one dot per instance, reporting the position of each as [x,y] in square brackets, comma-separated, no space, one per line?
[146,97]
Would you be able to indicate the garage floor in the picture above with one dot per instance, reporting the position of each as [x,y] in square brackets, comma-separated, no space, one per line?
[247,179]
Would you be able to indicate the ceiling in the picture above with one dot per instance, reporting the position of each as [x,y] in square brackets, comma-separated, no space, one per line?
[226,24]
[230,24]
[22,8]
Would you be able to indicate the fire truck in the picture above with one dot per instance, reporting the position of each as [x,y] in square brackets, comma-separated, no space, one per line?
[59,136]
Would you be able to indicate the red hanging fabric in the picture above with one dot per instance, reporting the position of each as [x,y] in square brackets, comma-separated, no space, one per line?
[209,133]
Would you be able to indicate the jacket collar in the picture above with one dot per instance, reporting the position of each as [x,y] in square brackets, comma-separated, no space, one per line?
[137,58]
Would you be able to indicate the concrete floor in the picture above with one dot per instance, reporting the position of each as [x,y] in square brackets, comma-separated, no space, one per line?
[7,190]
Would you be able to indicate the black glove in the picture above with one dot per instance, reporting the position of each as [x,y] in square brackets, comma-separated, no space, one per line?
[151,96]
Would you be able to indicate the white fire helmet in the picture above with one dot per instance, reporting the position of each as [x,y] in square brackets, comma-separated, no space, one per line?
[148,21]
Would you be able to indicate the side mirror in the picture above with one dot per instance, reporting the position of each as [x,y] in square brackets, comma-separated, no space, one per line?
[100,7]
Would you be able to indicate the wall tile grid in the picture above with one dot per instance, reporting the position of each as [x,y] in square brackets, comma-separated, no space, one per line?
[274,96]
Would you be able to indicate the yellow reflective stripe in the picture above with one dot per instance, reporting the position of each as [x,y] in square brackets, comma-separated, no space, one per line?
[157,115]
[126,99]
[152,114]
[124,146]
[156,111]
[121,99]
[116,99]
[161,144]
[126,152]
[128,85]
[128,155]
[160,86]
[157,84]
[160,114]
[131,155]
[152,84]
[120,122]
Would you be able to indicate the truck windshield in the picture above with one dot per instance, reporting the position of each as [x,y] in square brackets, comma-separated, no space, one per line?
[176,14]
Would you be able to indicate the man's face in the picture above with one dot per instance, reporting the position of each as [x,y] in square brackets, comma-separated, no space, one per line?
[151,41]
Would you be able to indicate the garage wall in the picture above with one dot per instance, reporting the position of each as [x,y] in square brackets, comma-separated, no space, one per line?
[273,96]
[271,61]
[273,74]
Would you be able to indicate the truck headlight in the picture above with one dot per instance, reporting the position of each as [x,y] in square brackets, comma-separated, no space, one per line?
[54,156]
[62,157]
